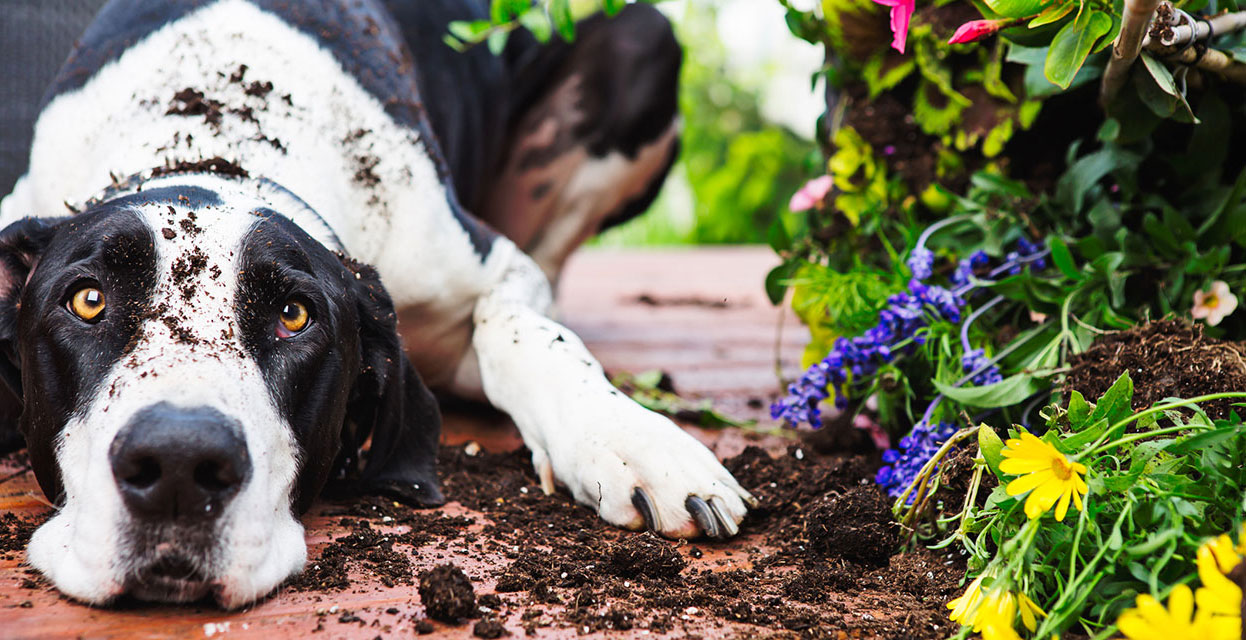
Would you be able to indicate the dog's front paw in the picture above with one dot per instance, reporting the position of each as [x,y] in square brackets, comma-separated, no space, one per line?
[639,469]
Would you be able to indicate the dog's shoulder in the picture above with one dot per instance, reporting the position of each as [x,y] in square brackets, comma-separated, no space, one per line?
[361,36]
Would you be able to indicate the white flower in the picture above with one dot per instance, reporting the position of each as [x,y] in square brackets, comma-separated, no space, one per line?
[1215,304]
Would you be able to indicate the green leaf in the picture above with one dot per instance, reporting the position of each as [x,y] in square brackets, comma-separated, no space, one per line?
[1168,85]
[564,22]
[1079,410]
[1051,14]
[469,31]
[536,21]
[1015,8]
[1115,405]
[497,41]
[1063,258]
[776,281]
[1072,44]
[992,448]
[1072,187]
[1006,392]
[1206,439]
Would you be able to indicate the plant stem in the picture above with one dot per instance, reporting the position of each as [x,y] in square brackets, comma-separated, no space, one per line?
[1136,15]
[1045,629]
[964,327]
[1212,60]
[921,240]
[1156,409]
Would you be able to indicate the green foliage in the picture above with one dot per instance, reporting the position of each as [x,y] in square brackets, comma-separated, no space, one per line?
[1161,483]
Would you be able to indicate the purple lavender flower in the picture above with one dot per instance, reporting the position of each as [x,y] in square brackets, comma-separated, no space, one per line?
[965,268]
[973,359]
[921,263]
[914,450]
[854,359]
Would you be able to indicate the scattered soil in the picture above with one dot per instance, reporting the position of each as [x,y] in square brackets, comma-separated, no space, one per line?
[1165,359]
[14,534]
[817,558]
[447,595]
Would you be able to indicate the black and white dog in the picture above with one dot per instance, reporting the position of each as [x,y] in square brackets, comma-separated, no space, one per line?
[229,206]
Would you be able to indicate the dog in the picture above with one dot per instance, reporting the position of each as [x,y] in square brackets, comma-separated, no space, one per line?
[230,205]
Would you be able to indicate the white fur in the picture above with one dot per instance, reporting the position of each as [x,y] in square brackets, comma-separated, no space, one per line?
[595,440]
[82,549]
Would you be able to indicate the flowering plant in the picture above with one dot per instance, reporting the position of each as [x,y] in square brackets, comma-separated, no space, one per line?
[1154,491]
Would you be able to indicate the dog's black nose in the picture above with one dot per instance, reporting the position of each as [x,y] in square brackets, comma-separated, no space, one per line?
[179,463]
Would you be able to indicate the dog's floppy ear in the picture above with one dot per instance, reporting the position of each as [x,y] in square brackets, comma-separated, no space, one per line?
[21,244]
[390,400]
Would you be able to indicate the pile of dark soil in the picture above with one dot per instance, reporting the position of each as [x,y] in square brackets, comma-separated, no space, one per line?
[816,559]
[1164,359]
[447,594]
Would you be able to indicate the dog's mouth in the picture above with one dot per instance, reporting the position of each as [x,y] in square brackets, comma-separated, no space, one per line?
[170,578]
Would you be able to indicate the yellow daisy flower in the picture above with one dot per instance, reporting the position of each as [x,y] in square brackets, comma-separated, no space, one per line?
[1151,621]
[1048,475]
[1030,611]
[965,608]
[995,616]
[1219,596]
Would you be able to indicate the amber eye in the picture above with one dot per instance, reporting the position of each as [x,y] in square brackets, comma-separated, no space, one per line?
[293,319]
[87,303]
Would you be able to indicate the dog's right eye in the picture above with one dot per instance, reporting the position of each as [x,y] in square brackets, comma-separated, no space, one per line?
[87,303]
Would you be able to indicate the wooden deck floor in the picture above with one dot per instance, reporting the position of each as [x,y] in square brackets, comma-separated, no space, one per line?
[700,315]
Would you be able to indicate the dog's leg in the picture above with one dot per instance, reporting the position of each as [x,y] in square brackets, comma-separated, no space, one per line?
[593,133]
[634,466]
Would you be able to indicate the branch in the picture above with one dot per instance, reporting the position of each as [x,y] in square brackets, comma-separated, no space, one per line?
[1212,60]
[1137,15]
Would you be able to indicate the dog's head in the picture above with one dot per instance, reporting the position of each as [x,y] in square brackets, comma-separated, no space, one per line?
[193,367]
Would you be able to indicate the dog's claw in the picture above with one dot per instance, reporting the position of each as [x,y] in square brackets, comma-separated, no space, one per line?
[545,471]
[724,517]
[704,514]
[644,505]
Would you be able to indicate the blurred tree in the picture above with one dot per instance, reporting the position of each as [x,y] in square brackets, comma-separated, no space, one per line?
[737,169]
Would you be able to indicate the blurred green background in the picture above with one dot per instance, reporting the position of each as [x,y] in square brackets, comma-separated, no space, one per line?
[749,107]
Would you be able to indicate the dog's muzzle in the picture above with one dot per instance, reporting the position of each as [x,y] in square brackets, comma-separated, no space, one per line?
[179,465]
[176,469]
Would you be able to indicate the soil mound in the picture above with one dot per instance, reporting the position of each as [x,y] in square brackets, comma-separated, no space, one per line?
[1165,359]
[447,594]
[856,525]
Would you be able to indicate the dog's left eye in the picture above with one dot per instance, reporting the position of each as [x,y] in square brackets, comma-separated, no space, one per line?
[293,318]
[87,303]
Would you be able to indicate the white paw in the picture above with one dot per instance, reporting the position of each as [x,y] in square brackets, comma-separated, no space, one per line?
[639,469]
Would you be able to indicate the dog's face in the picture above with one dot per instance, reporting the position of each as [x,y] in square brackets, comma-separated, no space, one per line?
[188,359]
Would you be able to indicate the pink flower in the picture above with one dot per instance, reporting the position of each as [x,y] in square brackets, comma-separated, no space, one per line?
[810,195]
[901,12]
[877,434]
[975,30]
[1214,305]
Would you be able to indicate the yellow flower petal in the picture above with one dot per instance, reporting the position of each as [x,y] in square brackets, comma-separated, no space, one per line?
[1062,507]
[1029,482]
